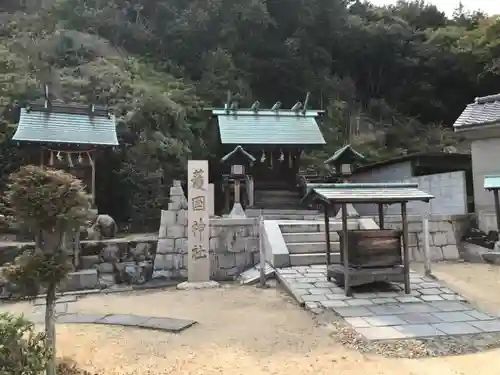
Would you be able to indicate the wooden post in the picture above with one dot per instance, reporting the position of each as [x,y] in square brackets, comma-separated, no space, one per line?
[497,209]
[406,255]
[345,252]
[381,215]
[327,237]
[93,184]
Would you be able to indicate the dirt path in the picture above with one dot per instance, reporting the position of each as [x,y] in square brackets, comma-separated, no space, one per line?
[244,330]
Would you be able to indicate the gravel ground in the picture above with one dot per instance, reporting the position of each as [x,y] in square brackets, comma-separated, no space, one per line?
[250,331]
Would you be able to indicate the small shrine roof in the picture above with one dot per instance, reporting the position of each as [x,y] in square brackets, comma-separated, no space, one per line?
[238,150]
[346,153]
[268,127]
[71,124]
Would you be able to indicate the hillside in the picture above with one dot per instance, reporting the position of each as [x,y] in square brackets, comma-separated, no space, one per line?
[394,78]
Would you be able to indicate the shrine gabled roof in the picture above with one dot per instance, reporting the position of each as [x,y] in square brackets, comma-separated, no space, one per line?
[70,124]
[484,111]
[268,127]
[366,193]
[345,153]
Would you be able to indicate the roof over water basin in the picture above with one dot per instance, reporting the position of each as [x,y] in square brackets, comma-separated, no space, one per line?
[367,193]
[492,182]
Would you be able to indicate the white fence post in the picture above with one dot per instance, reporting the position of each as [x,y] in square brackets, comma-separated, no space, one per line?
[262,283]
[427,251]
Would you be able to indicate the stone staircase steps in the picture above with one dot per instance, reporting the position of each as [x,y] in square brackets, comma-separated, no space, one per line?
[308,259]
[312,247]
[314,226]
[291,238]
[306,242]
[283,214]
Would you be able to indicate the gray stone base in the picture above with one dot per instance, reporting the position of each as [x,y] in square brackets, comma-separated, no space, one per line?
[198,285]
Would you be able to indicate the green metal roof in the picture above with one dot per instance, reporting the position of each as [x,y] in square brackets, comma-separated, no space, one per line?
[347,153]
[66,124]
[282,127]
[238,150]
[492,182]
[367,193]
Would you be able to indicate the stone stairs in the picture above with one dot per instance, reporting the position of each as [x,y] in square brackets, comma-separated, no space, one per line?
[284,214]
[277,199]
[306,241]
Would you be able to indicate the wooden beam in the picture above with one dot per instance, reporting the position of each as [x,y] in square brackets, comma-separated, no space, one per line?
[381,215]
[406,255]
[497,209]
[327,238]
[345,252]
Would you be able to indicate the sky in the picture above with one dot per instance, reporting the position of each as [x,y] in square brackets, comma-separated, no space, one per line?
[448,6]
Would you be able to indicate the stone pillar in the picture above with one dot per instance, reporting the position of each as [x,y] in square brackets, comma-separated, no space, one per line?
[211,199]
[198,222]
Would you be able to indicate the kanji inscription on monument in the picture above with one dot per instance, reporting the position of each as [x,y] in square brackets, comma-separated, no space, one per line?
[198,221]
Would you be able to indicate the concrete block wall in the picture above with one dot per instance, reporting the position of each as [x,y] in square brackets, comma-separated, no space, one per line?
[449,191]
[234,243]
[445,233]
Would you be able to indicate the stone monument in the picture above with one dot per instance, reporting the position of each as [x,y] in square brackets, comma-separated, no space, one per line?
[198,227]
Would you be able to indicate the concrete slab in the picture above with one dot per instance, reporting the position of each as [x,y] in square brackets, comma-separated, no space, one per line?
[353,311]
[123,320]
[360,302]
[386,309]
[459,328]
[358,322]
[451,306]
[453,316]
[384,320]
[168,324]
[160,324]
[79,318]
[381,333]
[479,315]
[332,304]
[252,275]
[431,298]
[418,330]
[419,308]
[487,325]
[420,318]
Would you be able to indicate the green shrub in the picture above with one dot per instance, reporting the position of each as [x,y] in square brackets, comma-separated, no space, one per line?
[69,367]
[22,349]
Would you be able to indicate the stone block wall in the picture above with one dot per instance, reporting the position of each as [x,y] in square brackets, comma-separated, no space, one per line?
[234,243]
[445,233]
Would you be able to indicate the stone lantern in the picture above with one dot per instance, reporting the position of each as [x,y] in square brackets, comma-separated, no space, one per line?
[341,164]
[239,161]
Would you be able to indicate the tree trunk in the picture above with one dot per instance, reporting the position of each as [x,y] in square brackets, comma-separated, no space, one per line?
[50,327]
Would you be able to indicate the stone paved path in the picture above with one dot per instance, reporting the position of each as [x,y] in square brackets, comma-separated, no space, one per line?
[431,310]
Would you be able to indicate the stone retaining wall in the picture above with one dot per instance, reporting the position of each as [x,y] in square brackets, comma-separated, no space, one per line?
[234,243]
[445,233]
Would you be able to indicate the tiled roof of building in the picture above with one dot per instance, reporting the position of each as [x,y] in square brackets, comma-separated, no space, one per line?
[71,124]
[484,111]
